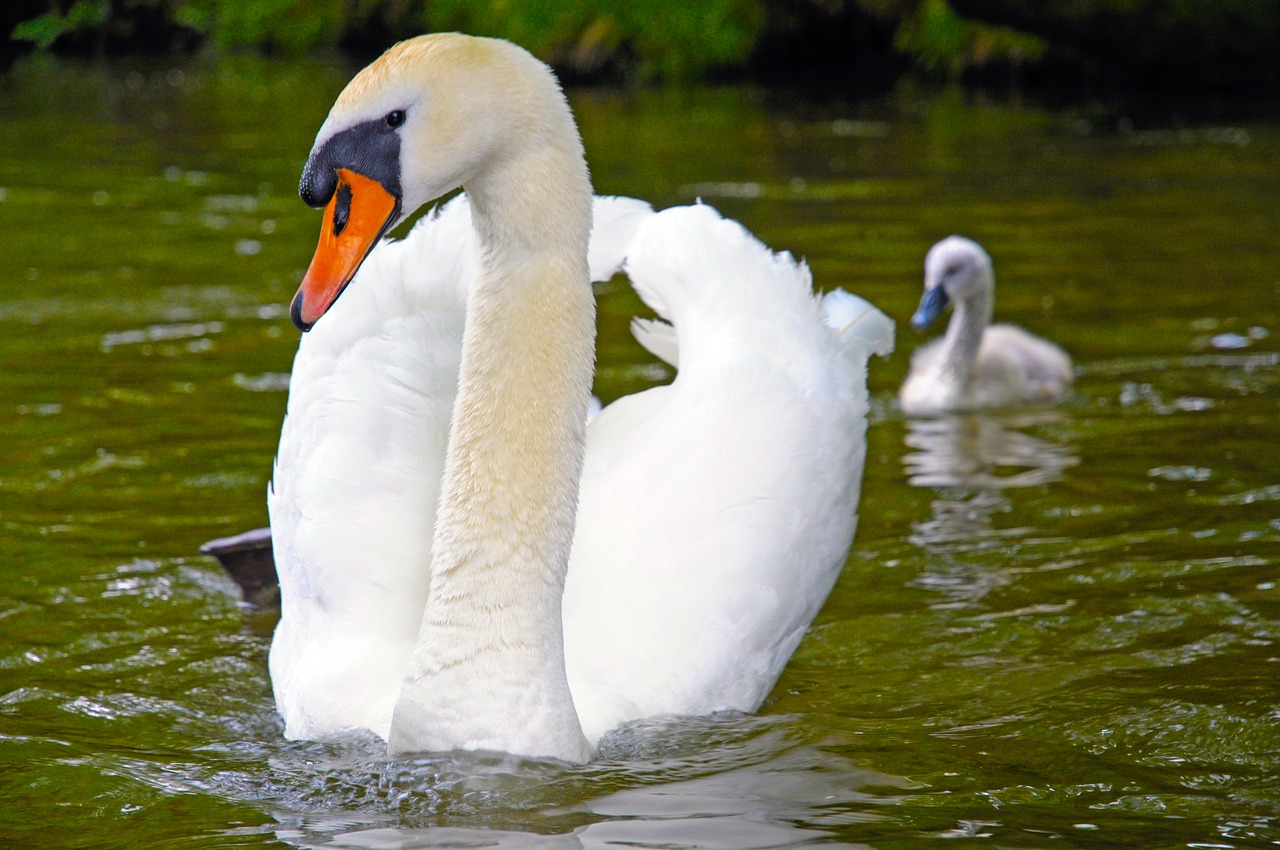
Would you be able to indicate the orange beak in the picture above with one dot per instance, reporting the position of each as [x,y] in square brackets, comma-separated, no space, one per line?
[355,218]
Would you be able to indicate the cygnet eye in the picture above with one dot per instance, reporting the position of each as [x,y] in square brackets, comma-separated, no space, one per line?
[395,118]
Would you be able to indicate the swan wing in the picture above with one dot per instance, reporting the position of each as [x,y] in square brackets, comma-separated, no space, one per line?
[716,512]
[1046,366]
[614,223]
[1013,366]
[862,328]
[658,338]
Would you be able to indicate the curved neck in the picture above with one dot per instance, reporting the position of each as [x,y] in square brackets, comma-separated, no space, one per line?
[509,497]
[518,431]
[969,320]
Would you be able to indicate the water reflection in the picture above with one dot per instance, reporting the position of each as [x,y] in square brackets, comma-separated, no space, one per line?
[718,833]
[801,796]
[974,459]
[727,780]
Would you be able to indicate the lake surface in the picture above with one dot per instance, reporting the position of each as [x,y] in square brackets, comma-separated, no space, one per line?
[1057,627]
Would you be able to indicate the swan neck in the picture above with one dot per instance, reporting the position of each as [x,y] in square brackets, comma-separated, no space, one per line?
[519,421]
[509,495]
[971,316]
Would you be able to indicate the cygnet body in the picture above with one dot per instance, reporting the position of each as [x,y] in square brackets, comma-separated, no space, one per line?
[975,364]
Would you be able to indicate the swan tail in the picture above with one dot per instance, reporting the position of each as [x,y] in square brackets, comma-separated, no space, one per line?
[862,328]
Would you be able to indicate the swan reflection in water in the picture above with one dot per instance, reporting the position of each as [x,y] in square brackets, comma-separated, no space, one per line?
[974,459]
[763,782]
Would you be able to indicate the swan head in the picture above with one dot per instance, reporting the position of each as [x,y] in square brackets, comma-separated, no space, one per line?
[419,122]
[955,269]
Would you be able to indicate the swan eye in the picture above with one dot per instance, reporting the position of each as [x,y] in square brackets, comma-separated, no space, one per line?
[951,270]
[395,118]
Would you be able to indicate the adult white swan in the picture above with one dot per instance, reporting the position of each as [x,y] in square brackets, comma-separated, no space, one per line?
[431,469]
[975,364]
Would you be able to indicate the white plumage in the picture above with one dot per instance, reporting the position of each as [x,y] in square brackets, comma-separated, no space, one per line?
[976,364]
[716,512]
[713,517]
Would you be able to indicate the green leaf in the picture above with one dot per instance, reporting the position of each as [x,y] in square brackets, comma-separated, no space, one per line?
[46,29]
[43,30]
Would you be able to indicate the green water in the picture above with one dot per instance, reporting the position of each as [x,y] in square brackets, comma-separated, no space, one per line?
[1057,628]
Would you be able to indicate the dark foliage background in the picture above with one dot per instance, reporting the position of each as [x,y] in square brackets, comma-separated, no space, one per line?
[1166,44]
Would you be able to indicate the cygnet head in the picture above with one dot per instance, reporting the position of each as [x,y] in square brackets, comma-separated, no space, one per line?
[420,121]
[955,269]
